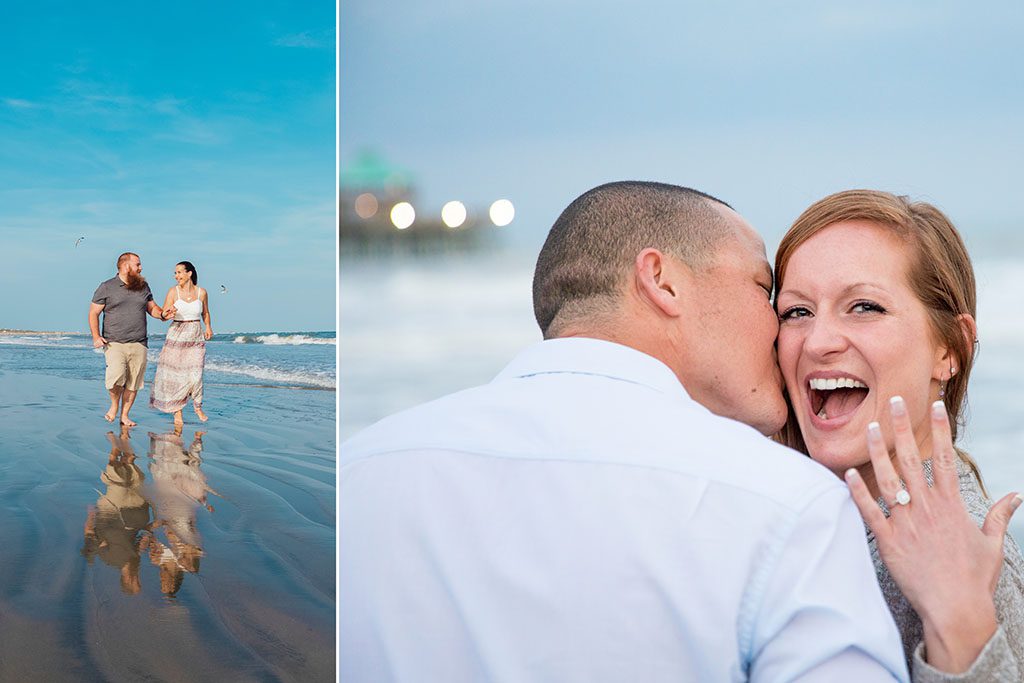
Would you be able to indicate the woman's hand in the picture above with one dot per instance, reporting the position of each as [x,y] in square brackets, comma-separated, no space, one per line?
[209,333]
[945,565]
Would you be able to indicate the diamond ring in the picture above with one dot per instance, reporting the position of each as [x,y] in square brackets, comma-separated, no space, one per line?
[902,497]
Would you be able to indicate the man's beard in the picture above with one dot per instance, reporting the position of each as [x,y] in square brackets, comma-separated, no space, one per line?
[134,281]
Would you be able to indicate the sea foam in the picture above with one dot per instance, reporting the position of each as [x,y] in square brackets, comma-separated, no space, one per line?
[282,339]
[309,378]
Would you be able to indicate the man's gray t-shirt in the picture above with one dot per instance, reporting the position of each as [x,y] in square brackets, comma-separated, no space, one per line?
[124,311]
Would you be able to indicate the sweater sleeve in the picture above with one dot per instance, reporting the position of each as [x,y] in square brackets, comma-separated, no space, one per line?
[1002,658]
[995,663]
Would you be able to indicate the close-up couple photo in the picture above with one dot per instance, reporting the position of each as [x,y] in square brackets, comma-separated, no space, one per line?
[732,396]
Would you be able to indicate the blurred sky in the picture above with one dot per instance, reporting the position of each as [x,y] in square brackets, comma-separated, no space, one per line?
[769,106]
[199,131]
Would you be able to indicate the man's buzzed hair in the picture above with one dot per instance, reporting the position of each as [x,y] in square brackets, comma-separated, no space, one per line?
[593,245]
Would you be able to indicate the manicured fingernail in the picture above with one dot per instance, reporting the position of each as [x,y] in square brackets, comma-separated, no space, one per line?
[1015,503]
[852,475]
[874,430]
[898,406]
[938,409]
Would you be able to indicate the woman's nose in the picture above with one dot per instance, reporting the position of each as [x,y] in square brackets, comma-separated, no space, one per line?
[825,337]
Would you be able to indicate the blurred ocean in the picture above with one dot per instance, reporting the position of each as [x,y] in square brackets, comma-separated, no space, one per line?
[414,329]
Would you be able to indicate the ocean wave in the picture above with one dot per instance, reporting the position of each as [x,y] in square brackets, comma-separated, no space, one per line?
[41,342]
[312,378]
[282,340]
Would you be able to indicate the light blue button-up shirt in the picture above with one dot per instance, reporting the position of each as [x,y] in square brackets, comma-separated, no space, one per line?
[580,518]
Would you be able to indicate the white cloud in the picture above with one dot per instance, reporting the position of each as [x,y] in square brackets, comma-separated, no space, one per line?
[195,131]
[168,105]
[305,39]
[19,104]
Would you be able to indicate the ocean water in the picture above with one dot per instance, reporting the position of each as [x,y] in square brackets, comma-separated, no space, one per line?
[300,360]
[412,330]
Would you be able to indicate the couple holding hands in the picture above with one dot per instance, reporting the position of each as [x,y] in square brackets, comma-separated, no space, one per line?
[124,300]
[603,510]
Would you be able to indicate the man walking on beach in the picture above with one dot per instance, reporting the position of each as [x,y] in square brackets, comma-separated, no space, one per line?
[592,514]
[124,301]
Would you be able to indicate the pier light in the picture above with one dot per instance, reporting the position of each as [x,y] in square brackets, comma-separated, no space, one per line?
[366,205]
[453,214]
[402,215]
[502,212]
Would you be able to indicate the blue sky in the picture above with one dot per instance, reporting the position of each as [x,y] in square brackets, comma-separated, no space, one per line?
[767,105]
[182,131]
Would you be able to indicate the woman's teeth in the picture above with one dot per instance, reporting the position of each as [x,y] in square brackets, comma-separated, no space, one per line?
[837,383]
[843,402]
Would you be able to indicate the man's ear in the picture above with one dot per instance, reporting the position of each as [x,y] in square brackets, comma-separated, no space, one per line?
[659,281]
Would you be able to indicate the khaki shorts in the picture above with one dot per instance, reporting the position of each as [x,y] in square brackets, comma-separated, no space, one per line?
[126,365]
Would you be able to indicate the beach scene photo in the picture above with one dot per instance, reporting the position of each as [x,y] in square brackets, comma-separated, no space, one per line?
[187,534]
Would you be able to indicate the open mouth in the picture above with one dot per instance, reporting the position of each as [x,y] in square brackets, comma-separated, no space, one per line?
[836,396]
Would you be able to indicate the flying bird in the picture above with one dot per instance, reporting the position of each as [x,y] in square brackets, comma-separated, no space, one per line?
[78,240]
[223,289]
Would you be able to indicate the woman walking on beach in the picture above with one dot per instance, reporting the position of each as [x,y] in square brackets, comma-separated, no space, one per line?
[179,372]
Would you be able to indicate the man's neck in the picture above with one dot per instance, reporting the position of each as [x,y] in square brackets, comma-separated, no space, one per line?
[122,277]
[653,347]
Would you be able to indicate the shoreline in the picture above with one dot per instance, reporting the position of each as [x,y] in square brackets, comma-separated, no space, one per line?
[9,331]
[228,361]
[4,331]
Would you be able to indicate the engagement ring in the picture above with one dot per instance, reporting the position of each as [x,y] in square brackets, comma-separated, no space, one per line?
[902,498]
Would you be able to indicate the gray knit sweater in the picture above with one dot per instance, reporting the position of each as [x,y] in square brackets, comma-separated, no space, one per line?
[1002,659]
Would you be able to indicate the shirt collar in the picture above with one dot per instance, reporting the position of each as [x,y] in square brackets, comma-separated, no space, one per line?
[583,355]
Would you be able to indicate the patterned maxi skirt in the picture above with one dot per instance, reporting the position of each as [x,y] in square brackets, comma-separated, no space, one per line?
[179,369]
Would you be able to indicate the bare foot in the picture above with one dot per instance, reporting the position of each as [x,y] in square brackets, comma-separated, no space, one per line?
[200,414]
[111,414]
[127,421]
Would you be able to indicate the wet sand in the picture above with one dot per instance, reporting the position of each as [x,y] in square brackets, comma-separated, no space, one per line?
[113,568]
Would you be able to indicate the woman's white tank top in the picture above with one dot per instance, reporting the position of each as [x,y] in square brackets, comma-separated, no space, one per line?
[187,310]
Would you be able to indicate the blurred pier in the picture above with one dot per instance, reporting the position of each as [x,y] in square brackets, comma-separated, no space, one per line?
[379,214]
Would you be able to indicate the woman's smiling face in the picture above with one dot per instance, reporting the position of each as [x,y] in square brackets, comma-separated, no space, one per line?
[852,335]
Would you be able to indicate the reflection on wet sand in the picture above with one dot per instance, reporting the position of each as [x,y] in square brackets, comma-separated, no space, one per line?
[115,525]
[260,608]
[178,488]
[119,528]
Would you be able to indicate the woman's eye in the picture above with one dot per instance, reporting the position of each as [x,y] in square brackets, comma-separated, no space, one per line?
[867,307]
[794,312]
